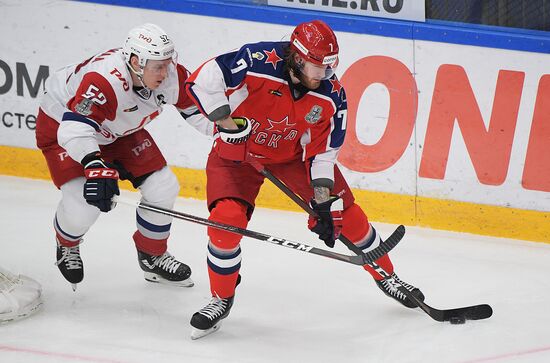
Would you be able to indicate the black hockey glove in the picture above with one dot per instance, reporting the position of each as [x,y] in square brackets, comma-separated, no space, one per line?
[329,223]
[101,183]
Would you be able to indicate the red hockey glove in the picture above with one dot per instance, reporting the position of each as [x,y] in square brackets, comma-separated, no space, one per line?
[329,223]
[101,183]
[232,143]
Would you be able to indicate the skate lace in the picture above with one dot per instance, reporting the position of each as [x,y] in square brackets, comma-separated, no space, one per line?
[214,309]
[167,262]
[71,257]
[391,284]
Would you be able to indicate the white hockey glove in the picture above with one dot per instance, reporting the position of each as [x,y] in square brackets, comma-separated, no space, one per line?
[232,142]
[238,135]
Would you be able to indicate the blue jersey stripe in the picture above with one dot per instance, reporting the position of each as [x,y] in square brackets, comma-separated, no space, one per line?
[72,116]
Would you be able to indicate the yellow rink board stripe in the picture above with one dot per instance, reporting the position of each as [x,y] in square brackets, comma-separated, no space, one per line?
[381,207]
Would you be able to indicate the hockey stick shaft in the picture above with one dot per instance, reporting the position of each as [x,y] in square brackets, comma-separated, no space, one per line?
[303,204]
[472,312]
[298,246]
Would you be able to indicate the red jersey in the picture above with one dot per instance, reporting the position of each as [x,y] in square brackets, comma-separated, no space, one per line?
[287,120]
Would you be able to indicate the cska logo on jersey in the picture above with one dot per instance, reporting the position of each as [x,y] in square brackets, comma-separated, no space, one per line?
[276,132]
[279,126]
[314,115]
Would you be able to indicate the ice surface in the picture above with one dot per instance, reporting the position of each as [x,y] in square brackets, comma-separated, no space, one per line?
[290,306]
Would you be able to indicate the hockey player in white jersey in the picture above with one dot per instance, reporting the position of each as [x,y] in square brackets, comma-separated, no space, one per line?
[90,128]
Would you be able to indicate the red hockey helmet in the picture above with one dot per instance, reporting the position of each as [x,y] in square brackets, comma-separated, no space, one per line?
[315,42]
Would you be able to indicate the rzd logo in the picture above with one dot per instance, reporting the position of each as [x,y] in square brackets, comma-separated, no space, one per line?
[63,155]
[145,144]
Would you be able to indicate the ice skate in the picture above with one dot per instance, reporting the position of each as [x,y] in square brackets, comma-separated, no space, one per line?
[70,264]
[165,269]
[209,319]
[390,289]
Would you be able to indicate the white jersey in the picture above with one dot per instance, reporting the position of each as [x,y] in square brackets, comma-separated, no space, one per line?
[95,103]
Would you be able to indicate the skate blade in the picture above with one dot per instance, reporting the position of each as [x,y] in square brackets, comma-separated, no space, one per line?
[73,286]
[151,277]
[198,333]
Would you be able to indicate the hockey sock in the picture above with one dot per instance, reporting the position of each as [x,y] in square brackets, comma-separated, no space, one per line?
[224,252]
[358,229]
[153,247]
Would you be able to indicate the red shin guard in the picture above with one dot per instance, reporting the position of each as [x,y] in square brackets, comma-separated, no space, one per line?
[222,286]
[233,212]
[355,224]
[228,211]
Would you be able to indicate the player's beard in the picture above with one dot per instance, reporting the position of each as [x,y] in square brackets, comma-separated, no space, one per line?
[309,83]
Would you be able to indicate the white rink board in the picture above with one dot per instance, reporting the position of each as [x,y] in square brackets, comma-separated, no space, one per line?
[482,66]
[53,34]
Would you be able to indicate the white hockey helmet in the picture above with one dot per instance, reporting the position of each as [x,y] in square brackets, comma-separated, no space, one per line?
[148,41]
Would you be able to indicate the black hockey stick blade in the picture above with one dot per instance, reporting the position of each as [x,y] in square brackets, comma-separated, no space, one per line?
[386,246]
[474,312]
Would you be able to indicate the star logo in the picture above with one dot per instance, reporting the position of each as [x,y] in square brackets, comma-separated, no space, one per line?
[276,126]
[272,58]
[336,86]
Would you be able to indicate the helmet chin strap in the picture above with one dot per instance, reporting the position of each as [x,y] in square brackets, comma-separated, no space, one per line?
[143,92]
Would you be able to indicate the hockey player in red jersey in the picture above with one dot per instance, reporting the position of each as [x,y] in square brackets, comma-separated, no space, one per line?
[281,104]
[90,128]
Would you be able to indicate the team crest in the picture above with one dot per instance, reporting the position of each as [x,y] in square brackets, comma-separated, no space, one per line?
[84,107]
[314,114]
[258,55]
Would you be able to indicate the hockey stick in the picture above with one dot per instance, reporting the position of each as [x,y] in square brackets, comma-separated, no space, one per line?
[387,245]
[458,315]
